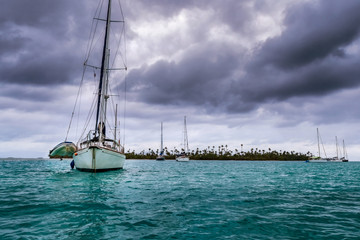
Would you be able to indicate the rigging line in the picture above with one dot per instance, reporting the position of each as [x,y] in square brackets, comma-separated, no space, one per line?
[77,97]
[323,146]
[125,78]
[111,130]
[93,30]
[124,32]
[123,58]
[117,52]
[88,118]
[92,105]
[91,112]
[125,95]
[111,94]
[112,101]
[82,78]
[117,89]
[92,48]
[118,40]
[88,50]
[113,109]
[78,115]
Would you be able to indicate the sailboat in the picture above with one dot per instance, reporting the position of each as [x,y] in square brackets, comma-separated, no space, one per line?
[161,157]
[320,159]
[336,158]
[98,151]
[183,157]
[345,156]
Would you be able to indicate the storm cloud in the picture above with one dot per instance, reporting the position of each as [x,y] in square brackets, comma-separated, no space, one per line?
[252,70]
[37,44]
[311,57]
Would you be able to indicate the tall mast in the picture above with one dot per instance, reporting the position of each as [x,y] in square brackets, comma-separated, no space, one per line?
[318,139]
[115,123]
[337,148]
[186,143]
[102,90]
[344,150]
[161,148]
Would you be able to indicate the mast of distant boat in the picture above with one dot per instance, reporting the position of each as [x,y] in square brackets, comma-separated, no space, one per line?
[115,126]
[344,150]
[161,147]
[337,148]
[186,142]
[318,138]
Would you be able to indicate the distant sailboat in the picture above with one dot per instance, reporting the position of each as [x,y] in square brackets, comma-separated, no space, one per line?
[183,157]
[161,157]
[98,151]
[320,159]
[343,152]
[345,157]
[336,158]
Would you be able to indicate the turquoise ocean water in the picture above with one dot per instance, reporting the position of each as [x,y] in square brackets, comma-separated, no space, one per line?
[45,199]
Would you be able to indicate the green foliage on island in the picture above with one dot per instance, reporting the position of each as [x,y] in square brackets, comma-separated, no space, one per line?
[223,153]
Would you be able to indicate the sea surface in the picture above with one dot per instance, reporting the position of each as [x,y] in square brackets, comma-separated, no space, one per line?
[45,199]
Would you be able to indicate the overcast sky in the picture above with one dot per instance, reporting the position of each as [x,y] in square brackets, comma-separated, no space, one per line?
[261,73]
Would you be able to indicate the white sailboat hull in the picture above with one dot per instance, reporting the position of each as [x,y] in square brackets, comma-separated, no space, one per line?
[323,160]
[182,159]
[317,161]
[98,159]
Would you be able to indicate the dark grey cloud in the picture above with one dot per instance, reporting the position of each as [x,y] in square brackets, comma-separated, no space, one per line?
[30,94]
[44,46]
[40,69]
[10,41]
[54,16]
[199,78]
[313,32]
[316,79]
[37,41]
[236,14]
[163,8]
[203,65]
[309,58]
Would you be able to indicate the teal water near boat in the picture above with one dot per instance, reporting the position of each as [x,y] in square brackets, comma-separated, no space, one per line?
[45,199]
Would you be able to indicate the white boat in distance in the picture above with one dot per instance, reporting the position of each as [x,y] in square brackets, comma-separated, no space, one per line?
[161,157]
[97,152]
[320,159]
[183,157]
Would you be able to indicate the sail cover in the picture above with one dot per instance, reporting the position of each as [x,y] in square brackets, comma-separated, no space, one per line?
[63,150]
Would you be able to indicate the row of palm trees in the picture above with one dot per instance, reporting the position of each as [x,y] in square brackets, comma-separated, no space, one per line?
[222,153]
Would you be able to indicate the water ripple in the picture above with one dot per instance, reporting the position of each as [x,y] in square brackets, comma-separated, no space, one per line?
[168,200]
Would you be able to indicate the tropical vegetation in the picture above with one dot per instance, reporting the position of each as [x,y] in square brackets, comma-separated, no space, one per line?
[222,153]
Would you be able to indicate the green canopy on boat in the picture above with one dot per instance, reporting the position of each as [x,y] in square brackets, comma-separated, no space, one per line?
[63,150]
